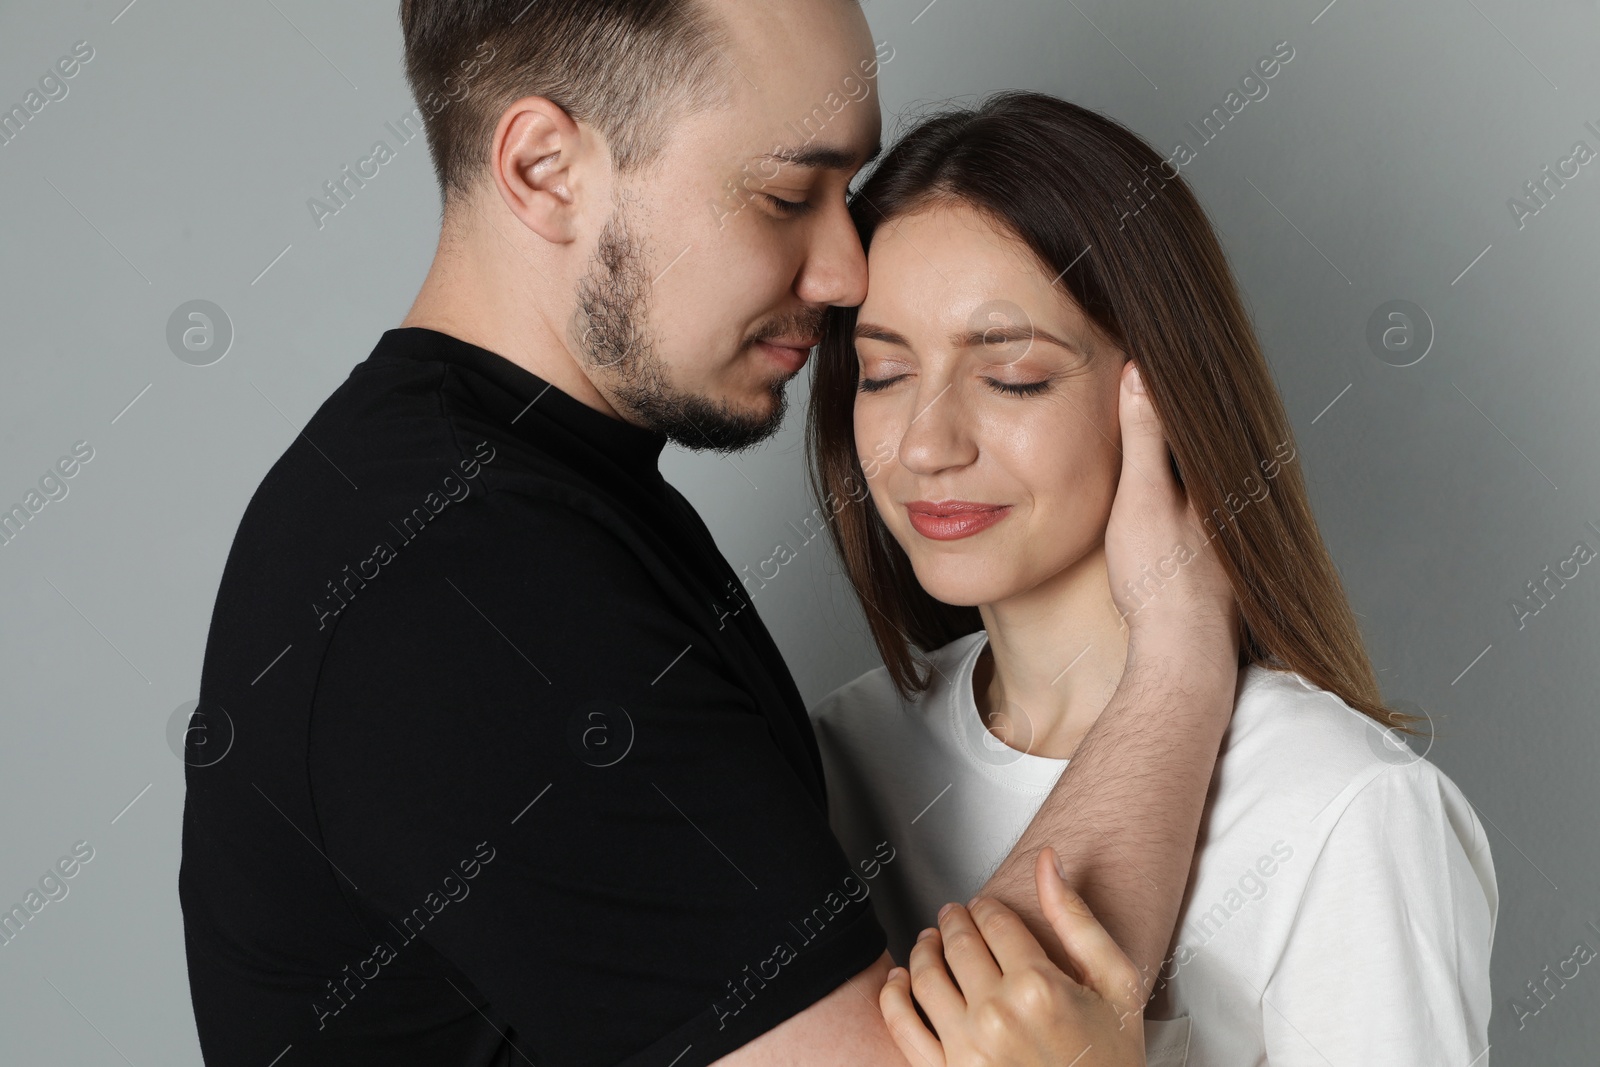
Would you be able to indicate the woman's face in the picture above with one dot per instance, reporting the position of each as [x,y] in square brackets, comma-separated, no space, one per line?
[985,386]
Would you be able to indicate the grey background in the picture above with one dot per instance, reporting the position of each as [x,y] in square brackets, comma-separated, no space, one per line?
[1377,168]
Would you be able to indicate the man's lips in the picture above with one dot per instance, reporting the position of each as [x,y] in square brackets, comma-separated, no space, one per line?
[950,520]
[790,353]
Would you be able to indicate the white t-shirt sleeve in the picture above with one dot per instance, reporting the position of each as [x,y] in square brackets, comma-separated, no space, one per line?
[1387,958]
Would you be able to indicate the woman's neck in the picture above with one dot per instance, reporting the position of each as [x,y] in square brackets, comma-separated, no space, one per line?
[1054,658]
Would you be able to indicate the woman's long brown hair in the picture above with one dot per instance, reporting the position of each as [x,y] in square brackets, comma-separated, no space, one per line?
[1131,245]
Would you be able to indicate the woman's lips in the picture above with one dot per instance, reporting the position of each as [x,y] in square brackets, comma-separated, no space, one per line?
[953,520]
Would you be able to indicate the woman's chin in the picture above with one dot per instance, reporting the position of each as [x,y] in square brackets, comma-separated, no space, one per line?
[959,590]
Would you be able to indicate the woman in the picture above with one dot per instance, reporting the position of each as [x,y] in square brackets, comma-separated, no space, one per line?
[1342,902]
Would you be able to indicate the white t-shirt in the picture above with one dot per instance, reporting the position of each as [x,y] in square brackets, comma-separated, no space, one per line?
[1342,902]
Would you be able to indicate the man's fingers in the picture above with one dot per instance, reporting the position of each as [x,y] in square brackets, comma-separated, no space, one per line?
[1144,443]
[1106,969]
[916,1043]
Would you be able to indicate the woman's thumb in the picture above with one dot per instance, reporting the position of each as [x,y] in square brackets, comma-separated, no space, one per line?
[1106,969]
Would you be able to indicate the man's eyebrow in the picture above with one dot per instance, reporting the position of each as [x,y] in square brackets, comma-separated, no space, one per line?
[823,157]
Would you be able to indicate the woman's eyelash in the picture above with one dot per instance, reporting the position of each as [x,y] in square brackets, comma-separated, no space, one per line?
[1021,388]
[872,385]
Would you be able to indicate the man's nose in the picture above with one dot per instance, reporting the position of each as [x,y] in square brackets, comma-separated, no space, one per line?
[835,271]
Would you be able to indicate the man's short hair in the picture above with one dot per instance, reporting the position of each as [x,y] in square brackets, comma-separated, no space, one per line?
[628,68]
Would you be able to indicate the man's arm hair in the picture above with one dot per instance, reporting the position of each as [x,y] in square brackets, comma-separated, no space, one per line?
[1124,814]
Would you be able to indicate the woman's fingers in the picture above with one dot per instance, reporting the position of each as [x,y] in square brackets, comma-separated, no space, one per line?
[1009,940]
[932,985]
[1105,968]
[1032,1015]
[967,953]
[911,1036]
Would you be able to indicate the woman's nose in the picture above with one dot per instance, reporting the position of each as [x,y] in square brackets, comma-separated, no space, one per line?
[938,434]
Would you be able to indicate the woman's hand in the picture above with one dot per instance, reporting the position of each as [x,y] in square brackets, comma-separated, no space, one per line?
[1009,1004]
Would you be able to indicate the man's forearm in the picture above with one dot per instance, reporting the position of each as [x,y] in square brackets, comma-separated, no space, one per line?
[1124,815]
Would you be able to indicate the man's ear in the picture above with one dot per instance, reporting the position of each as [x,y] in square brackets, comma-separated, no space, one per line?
[543,163]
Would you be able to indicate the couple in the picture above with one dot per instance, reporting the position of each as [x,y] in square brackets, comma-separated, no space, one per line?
[530,783]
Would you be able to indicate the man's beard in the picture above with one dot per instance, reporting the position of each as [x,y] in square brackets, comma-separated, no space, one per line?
[611,328]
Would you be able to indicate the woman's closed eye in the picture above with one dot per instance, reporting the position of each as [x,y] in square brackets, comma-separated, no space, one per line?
[873,385]
[1020,388]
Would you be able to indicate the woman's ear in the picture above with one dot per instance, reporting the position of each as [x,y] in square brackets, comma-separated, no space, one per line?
[543,164]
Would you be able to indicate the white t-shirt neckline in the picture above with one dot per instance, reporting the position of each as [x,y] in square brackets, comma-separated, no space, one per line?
[1014,768]
[1026,772]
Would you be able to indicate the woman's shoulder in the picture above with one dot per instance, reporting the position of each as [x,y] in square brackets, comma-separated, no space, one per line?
[1304,751]
[1329,793]
[873,693]
[1277,711]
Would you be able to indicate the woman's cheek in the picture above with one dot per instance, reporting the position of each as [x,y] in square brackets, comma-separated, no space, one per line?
[875,439]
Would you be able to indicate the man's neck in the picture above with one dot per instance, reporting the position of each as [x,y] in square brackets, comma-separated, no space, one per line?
[465,296]
[1055,655]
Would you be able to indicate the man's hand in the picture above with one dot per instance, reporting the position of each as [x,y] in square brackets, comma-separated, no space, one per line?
[1166,578]
[1009,1004]
[1125,813]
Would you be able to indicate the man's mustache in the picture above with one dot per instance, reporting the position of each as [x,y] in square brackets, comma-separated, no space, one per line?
[808,324]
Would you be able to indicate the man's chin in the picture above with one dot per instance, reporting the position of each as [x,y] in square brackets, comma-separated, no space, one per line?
[701,423]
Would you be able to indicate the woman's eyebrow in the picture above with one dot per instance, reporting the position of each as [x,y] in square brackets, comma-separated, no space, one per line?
[972,338]
[874,332]
[1004,334]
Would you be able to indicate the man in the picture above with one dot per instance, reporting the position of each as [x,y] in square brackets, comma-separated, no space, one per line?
[518,774]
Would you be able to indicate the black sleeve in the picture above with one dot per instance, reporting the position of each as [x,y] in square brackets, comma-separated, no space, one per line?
[524,756]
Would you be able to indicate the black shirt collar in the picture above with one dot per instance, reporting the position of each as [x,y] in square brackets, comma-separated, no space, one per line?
[633,447]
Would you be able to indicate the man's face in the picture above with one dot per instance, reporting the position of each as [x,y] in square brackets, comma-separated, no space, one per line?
[706,293]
